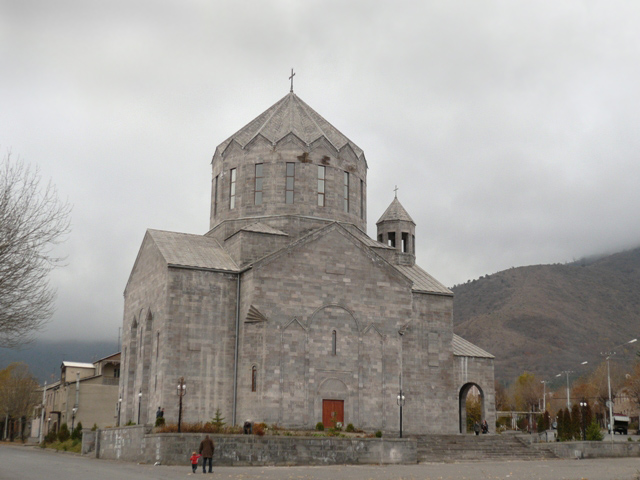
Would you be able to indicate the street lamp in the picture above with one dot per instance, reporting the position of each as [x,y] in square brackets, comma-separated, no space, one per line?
[608,355]
[400,398]
[139,404]
[119,408]
[544,395]
[74,410]
[182,390]
[583,407]
[400,401]
[566,372]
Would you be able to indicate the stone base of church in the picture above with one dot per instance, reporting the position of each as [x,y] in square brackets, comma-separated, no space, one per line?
[134,444]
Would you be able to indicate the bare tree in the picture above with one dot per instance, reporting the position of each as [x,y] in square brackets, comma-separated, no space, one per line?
[32,221]
[18,395]
[633,384]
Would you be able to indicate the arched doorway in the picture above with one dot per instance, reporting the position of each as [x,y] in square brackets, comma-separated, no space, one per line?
[475,390]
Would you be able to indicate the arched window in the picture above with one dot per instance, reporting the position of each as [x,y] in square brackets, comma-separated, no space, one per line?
[254,378]
[334,341]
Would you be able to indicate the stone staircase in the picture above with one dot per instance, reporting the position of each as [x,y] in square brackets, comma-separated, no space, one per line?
[455,448]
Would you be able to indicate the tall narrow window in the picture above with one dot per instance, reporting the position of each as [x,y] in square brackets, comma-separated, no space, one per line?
[157,344]
[362,199]
[258,186]
[346,191]
[391,236]
[380,237]
[334,341]
[405,242]
[321,173]
[254,378]
[413,244]
[215,196]
[232,189]
[291,173]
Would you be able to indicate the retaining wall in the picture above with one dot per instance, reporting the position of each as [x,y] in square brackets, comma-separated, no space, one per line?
[591,449]
[137,444]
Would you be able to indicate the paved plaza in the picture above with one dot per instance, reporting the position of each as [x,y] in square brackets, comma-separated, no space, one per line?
[31,463]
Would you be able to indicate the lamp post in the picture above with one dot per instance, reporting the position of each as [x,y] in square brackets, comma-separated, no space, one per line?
[583,408]
[139,404]
[74,410]
[566,372]
[544,396]
[119,408]
[608,355]
[400,401]
[182,390]
[400,398]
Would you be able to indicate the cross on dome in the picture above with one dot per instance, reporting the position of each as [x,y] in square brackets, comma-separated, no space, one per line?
[291,78]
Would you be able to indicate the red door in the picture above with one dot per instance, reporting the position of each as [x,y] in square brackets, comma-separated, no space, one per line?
[332,412]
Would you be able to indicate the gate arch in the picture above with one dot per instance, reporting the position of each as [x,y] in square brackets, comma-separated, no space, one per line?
[462,407]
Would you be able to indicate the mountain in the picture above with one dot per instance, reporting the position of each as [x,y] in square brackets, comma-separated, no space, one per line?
[44,357]
[548,318]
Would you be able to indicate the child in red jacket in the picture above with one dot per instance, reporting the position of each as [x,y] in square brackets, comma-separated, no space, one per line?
[194,461]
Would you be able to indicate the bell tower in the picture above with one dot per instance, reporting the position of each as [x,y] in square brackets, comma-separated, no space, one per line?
[397,229]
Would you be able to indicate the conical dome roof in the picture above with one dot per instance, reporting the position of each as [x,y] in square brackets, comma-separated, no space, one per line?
[395,212]
[291,115]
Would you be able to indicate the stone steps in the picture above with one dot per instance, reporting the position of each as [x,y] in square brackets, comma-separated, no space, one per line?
[452,448]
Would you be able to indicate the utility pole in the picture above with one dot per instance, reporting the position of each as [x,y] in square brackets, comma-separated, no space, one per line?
[44,393]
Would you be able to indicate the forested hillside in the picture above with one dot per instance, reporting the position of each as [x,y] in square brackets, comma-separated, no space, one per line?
[549,318]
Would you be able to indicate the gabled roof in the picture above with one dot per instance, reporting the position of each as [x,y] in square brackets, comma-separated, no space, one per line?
[422,281]
[464,348]
[262,228]
[290,115]
[395,211]
[188,250]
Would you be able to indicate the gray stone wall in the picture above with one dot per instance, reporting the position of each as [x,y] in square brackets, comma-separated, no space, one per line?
[591,449]
[427,367]
[134,445]
[201,346]
[479,372]
[307,159]
[125,443]
[144,317]
[331,283]
[247,247]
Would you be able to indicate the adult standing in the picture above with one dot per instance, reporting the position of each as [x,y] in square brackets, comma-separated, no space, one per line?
[206,450]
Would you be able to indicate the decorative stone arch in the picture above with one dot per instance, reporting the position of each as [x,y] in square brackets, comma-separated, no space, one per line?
[149,319]
[336,390]
[334,305]
[462,408]
[294,322]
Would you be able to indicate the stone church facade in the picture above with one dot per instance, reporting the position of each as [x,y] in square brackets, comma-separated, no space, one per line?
[285,311]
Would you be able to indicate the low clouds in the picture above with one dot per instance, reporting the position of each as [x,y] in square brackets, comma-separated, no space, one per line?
[509,127]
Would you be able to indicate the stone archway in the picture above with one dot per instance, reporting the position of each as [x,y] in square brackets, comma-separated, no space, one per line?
[462,406]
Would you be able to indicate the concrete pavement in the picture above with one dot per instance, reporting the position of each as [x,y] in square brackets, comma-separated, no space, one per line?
[33,463]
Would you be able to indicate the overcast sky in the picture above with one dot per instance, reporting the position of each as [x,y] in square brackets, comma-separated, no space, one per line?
[510,127]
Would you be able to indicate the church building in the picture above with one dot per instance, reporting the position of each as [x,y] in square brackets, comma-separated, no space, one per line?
[286,311]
